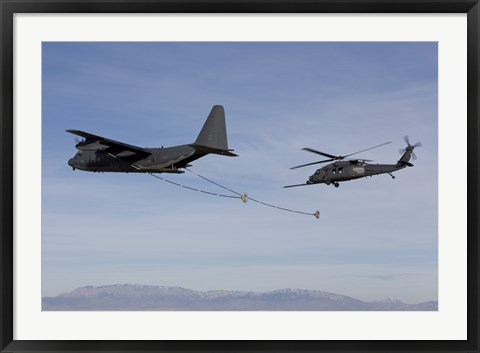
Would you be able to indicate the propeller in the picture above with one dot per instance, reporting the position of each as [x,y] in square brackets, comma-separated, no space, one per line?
[410,147]
[78,142]
[335,158]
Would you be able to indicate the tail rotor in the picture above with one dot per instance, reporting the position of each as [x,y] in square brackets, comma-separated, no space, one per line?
[410,147]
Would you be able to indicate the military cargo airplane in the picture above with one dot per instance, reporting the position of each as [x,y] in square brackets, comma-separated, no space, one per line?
[351,169]
[100,154]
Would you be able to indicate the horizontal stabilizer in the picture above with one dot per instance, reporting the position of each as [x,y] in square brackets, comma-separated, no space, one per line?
[206,150]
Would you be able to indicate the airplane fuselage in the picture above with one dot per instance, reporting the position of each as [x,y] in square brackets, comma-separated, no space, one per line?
[101,154]
[160,160]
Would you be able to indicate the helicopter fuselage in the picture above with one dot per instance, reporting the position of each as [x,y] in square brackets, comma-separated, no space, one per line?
[336,172]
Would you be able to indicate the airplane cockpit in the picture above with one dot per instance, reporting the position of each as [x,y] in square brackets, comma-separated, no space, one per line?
[78,161]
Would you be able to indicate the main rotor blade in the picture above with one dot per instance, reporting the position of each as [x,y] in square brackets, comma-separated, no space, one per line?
[304,165]
[370,148]
[318,152]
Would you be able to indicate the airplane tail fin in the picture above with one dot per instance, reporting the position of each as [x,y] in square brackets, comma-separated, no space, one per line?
[213,136]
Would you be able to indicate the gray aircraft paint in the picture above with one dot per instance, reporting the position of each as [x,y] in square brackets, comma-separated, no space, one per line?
[341,171]
[100,154]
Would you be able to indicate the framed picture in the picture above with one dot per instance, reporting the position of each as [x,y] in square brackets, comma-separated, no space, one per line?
[280,238]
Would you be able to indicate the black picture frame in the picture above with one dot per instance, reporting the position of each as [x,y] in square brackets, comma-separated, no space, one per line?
[10,7]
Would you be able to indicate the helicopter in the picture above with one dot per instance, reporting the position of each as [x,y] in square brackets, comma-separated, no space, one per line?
[344,169]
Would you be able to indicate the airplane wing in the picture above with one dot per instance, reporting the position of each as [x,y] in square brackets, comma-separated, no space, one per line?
[99,143]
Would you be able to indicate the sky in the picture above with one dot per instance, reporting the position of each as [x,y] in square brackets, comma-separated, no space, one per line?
[376,237]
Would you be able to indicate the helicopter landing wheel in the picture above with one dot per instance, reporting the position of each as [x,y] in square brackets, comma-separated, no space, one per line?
[336,184]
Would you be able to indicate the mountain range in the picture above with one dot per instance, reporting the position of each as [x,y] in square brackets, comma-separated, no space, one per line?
[126,297]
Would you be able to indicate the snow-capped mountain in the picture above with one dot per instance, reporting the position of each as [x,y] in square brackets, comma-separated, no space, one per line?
[124,297]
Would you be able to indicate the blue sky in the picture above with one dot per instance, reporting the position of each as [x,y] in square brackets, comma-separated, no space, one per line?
[376,237]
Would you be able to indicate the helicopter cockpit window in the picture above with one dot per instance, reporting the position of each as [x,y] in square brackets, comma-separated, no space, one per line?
[317,172]
[334,171]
